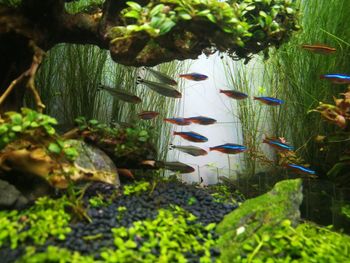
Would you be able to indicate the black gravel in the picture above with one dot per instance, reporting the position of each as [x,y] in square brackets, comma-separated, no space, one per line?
[139,206]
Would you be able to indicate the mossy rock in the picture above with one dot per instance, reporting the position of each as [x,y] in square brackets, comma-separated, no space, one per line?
[258,214]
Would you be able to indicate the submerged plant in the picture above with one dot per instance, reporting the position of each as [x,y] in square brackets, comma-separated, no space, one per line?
[171,237]
[47,218]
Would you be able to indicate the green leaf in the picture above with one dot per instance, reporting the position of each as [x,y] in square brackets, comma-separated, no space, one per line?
[3,128]
[290,10]
[211,18]
[93,122]
[185,16]
[210,227]
[50,130]
[166,26]
[203,13]
[16,118]
[156,10]
[17,128]
[133,14]
[263,14]
[134,5]
[34,124]
[54,148]
[71,153]
[251,7]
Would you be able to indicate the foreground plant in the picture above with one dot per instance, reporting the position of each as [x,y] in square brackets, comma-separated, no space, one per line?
[29,145]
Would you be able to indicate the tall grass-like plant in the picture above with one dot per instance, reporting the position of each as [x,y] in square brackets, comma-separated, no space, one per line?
[68,82]
[125,78]
[253,116]
[295,73]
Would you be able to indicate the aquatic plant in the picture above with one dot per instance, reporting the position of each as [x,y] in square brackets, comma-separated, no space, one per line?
[174,231]
[29,145]
[136,187]
[127,147]
[295,73]
[252,117]
[284,243]
[47,218]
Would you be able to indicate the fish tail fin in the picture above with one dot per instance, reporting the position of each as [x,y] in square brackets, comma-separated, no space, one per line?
[322,77]
[255,98]
[171,146]
[211,148]
[176,133]
[221,91]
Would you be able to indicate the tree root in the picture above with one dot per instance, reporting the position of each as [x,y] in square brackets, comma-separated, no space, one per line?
[28,77]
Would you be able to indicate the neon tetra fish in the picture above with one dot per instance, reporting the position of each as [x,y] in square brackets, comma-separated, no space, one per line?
[148,115]
[229,148]
[300,169]
[194,76]
[178,121]
[192,150]
[162,77]
[337,78]
[277,144]
[201,120]
[161,88]
[321,49]
[121,94]
[234,94]
[192,136]
[269,101]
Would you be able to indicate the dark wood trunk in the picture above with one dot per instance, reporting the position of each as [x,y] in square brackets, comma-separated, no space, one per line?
[16,57]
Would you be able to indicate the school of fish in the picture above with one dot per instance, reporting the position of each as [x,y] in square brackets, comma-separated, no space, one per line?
[167,87]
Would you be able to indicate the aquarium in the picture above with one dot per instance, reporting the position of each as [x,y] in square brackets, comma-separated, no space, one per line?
[174,131]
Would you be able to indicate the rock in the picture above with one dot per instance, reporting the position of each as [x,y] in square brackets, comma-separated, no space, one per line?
[92,164]
[10,197]
[255,215]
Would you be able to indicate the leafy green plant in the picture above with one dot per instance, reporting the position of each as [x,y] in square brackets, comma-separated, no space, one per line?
[47,218]
[246,23]
[136,188]
[54,254]
[294,72]
[28,123]
[174,232]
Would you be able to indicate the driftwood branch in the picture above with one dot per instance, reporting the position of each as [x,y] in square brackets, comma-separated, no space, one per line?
[27,79]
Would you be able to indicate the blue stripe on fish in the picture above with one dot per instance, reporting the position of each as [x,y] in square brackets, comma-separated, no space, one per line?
[282,145]
[231,146]
[336,76]
[271,99]
[302,168]
[195,135]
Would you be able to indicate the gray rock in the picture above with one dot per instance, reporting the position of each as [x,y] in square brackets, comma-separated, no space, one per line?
[10,197]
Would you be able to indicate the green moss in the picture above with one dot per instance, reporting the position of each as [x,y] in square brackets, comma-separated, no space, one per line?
[258,214]
[265,229]
[306,243]
[47,218]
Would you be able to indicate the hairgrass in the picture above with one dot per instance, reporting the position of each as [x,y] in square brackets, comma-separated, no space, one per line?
[251,114]
[68,82]
[295,73]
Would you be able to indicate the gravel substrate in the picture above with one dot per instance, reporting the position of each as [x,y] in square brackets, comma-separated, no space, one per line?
[139,206]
